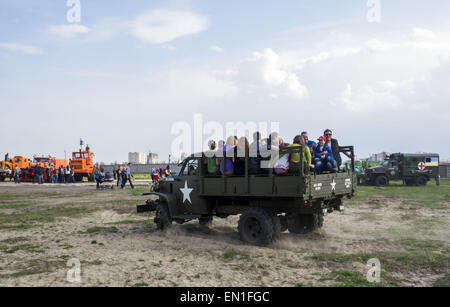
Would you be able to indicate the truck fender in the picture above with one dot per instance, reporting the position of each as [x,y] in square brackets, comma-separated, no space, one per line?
[170,200]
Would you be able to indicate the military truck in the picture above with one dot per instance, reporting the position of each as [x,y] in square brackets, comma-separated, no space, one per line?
[412,169]
[268,204]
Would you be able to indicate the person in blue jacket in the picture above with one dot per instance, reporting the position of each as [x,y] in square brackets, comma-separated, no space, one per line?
[323,157]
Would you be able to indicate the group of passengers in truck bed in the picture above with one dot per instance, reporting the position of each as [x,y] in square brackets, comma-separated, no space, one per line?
[229,157]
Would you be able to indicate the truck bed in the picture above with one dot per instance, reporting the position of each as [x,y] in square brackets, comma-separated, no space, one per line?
[289,186]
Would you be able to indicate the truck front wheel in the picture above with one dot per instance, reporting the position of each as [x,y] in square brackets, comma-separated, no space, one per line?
[256,227]
[304,223]
[421,181]
[381,181]
[162,216]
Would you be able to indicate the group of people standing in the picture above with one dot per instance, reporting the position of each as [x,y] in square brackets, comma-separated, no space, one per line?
[159,173]
[62,174]
[123,175]
[317,157]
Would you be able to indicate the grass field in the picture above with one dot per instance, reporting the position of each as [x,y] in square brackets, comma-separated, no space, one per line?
[42,227]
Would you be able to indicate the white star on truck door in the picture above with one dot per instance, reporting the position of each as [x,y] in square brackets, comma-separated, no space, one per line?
[333,186]
[186,192]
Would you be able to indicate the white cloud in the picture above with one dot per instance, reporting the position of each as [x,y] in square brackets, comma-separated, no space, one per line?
[423,34]
[369,97]
[69,31]
[278,76]
[27,49]
[216,49]
[163,25]
[170,47]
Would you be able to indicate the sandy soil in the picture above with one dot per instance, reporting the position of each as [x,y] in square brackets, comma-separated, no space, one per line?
[133,253]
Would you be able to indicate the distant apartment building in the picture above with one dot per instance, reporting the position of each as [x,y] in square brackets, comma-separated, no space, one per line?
[137,158]
[379,156]
[152,158]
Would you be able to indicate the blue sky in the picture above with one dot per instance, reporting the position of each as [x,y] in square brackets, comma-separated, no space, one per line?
[129,70]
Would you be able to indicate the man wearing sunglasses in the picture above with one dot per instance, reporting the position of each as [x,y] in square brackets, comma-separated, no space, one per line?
[334,145]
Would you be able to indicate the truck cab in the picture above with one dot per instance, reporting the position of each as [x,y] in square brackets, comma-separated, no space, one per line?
[82,163]
[267,203]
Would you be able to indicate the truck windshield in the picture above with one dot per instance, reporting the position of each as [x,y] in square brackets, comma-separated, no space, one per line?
[76,155]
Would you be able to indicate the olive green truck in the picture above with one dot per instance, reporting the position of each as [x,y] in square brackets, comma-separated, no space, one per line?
[268,204]
[412,169]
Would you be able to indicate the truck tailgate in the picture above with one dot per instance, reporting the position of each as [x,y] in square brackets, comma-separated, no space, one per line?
[326,185]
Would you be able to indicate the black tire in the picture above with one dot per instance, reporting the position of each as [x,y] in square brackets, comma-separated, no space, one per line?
[283,223]
[381,181]
[409,182]
[256,226]
[205,221]
[162,216]
[78,177]
[2,179]
[304,223]
[421,181]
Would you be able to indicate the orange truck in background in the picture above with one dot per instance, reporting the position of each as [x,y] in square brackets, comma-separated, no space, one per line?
[20,161]
[50,161]
[82,163]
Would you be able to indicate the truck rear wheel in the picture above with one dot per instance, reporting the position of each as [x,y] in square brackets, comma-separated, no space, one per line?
[205,221]
[162,216]
[421,181]
[256,226]
[381,181]
[78,177]
[304,223]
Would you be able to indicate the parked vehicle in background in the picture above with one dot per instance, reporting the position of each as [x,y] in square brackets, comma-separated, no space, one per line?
[6,170]
[412,169]
[50,161]
[82,163]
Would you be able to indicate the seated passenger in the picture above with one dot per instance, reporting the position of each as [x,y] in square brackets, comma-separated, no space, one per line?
[281,166]
[323,157]
[295,157]
[227,154]
[311,144]
[254,161]
[269,150]
[211,160]
[239,156]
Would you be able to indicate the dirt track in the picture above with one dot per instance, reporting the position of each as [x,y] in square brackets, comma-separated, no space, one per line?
[117,247]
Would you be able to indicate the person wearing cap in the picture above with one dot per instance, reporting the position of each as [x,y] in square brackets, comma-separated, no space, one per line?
[323,157]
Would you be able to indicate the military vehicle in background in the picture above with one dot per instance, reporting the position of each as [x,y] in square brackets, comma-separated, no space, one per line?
[360,167]
[412,169]
[268,204]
